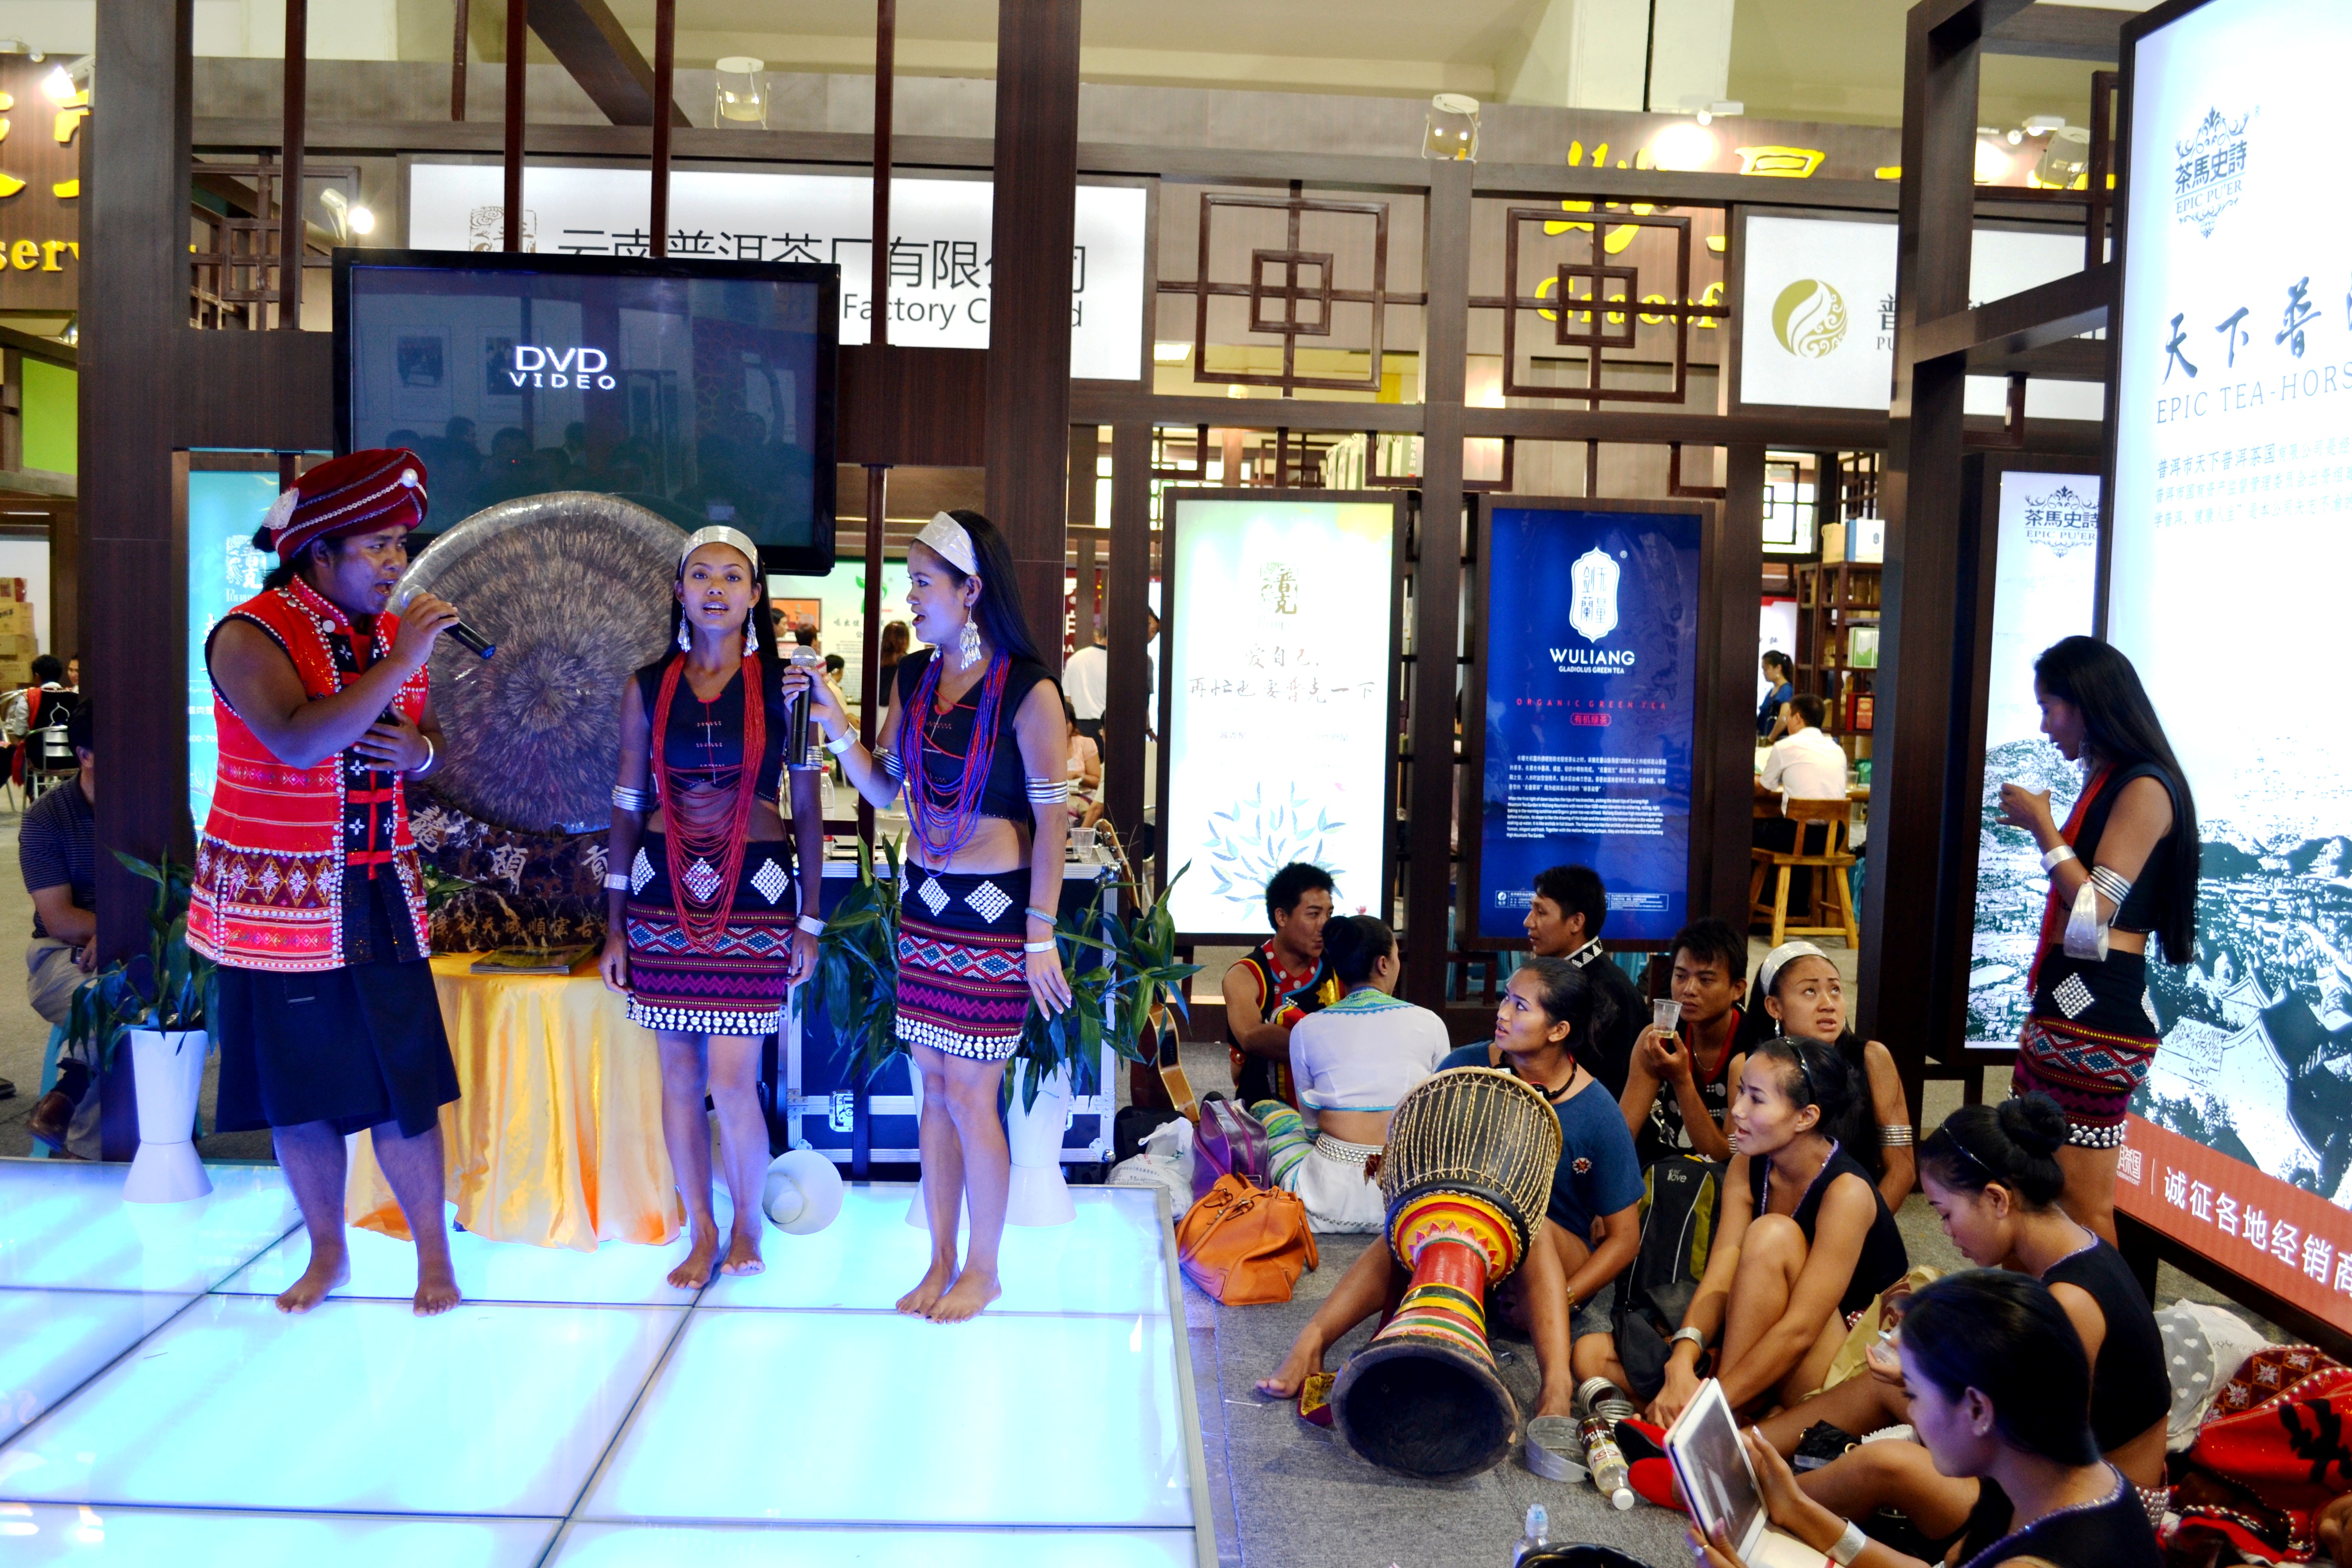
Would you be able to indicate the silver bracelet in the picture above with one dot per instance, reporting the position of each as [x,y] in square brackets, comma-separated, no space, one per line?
[1048,792]
[893,765]
[1848,1545]
[420,769]
[841,747]
[811,924]
[1896,1135]
[1034,913]
[2112,887]
[1044,946]
[616,881]
[1685,1332]
[629,799]
[2058,856]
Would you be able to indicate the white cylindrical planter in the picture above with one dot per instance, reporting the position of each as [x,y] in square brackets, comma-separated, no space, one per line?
[1038,1196]
[168,1072]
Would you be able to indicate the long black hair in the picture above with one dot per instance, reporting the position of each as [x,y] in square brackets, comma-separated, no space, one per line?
[2120,726]
[2006,1336]
[999,609]
[2015,1143]
[1353,946]
[1816,1075]
[1566,996]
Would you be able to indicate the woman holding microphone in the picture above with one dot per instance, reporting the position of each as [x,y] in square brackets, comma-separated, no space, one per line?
[974,733]
[700,933]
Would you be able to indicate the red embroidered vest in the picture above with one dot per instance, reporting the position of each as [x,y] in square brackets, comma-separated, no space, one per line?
[268,890]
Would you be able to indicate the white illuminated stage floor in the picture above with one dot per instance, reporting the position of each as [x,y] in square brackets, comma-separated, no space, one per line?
[155,1406]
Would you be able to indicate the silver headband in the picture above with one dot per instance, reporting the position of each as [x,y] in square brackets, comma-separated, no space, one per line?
[947,537]
[734,538]
[1774,960]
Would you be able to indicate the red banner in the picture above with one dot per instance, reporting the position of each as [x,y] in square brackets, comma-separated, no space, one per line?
[2295,1243]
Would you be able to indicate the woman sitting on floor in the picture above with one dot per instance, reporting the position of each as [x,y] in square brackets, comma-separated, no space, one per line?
[1996,1384]
[1993,1176]
[1798,994]
[1590,1228]
[1351,1063]
[1809,1256]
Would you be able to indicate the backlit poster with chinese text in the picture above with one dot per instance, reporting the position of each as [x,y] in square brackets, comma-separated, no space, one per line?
[1279,733]
[1591,655]
[223,571]
[2233,489]
[2045,583]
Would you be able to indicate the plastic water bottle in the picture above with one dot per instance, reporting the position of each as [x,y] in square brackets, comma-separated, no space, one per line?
[1607,1462]
[1536,1536]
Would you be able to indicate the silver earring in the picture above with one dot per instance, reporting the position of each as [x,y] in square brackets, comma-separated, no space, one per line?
[751,635]
[968,644]
[685,638]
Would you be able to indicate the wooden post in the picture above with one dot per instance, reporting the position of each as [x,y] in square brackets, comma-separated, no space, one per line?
[886,76]
[871,697]
[1914,747]
[290,239]
[664,94]
[1737,571]
[1438,591]
[1127,679]
[133,584]
[518,56]
[1029,307]
[461,24]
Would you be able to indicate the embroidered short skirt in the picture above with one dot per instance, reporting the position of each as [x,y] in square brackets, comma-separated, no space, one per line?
[2088,1042]
[963,980]
[736,987]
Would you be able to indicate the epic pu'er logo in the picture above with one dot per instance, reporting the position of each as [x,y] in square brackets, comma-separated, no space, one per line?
[1593,595]
[2062,519]
[1809,318]
[2210,174]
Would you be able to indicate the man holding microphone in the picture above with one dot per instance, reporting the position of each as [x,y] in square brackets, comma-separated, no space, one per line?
[308,893]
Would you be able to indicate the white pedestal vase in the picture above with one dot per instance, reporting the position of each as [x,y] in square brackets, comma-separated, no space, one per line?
[1039,1195]
[169,1071]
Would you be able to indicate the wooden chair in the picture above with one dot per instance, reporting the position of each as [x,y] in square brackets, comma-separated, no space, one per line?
[1832,865]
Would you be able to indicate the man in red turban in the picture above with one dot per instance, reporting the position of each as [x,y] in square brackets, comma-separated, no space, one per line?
[307,892]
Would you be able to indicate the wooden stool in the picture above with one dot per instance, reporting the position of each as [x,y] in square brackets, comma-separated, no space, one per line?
[1835,861]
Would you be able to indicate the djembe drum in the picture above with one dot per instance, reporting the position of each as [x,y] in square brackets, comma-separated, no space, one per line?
[1466,1173]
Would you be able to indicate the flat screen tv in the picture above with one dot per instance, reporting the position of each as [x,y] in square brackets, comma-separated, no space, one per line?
[702,390]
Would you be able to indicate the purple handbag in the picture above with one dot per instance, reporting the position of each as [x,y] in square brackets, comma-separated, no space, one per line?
[1231,1141]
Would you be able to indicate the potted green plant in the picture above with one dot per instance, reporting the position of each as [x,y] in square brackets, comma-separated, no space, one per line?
[858,965]
[1120,973]
[162,1001]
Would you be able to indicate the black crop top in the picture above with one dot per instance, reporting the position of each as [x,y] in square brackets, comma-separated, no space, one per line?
[706,738]
[1884,1259]
[947,736]
[2131,1389]
[2111,1533]
[2144,908]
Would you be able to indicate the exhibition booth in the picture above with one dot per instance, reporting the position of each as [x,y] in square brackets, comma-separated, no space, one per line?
[1410,489]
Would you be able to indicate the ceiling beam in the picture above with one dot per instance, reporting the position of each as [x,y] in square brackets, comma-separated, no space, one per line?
[589,41]
[2061,32]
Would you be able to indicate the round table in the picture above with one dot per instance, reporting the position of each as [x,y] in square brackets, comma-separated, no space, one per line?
[558,1140]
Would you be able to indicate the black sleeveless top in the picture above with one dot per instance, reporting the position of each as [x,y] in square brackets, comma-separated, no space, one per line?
[947,736]
[2131,1388]
[1884,1259]
[706,738]
[2153,894]
[2114,1533]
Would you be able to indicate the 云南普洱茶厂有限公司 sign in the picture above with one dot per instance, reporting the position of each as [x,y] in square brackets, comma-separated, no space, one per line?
[1591,633]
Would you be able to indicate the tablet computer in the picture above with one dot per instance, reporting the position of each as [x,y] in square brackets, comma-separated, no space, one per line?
[1719,1485]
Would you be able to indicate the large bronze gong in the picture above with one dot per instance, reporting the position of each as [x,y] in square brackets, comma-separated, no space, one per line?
[574,589]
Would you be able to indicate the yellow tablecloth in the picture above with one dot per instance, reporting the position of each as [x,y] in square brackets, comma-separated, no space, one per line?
[558,1141]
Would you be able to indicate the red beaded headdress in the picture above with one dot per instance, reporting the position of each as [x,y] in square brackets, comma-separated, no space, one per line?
[354,494]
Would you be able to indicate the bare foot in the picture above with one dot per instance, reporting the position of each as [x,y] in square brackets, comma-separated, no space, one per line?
[328,1270]
[919,1301]
[695,1272]
[437,1288]
[743,1255]
[973,1289]
[1305,1360]
[1556,1401]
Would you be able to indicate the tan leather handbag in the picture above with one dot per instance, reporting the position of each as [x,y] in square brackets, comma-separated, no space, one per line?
[1244,1244]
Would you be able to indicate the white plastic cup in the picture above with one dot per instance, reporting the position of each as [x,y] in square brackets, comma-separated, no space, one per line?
[1666,1014]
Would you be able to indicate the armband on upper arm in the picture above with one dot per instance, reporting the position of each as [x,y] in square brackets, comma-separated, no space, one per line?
[2086,927]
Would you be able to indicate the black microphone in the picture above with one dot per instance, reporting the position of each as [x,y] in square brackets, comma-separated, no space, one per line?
[465,636]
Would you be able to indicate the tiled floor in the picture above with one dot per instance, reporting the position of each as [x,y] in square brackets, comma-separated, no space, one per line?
[577,1410]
